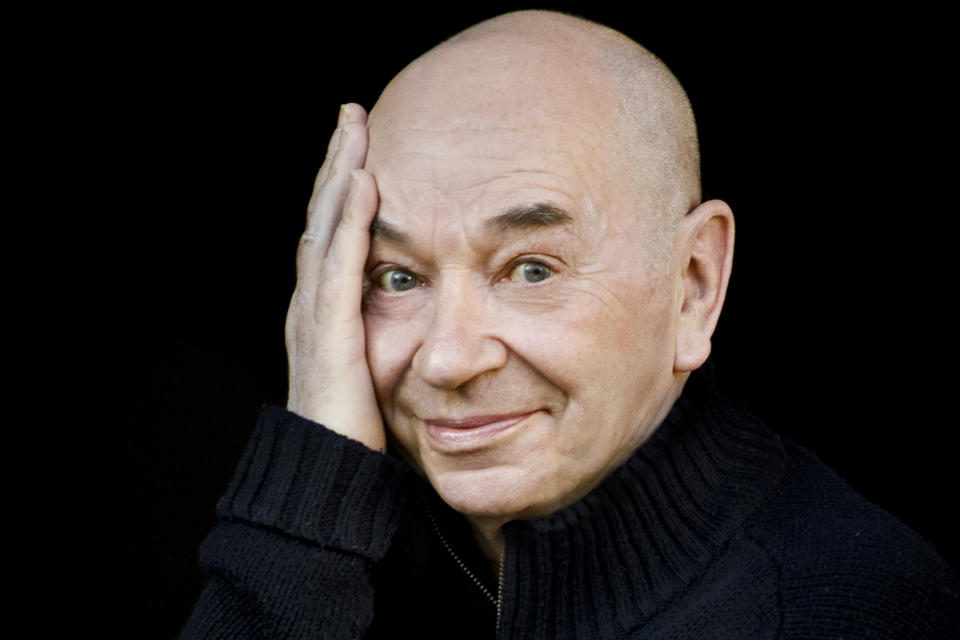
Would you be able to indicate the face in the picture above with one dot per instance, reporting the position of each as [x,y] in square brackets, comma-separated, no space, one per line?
[519,332]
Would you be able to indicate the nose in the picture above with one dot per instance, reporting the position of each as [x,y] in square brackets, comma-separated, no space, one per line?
[461,342]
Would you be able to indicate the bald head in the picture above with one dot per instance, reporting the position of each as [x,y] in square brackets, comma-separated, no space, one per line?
[548,70]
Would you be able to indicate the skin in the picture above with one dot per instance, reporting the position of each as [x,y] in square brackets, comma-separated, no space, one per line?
[566,343]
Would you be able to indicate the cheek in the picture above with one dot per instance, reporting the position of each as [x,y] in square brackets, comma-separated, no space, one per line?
[604,326]
[391,341]
[612,355]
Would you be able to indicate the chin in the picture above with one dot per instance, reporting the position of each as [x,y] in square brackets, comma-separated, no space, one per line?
[500,493]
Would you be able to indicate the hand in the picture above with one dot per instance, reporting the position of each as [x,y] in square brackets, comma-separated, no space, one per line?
[329,378]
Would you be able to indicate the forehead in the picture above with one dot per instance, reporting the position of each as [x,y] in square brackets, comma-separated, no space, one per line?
[485,126]
[468,154]
[475,166]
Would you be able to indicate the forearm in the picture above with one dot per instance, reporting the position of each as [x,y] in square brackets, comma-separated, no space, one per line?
[306,518]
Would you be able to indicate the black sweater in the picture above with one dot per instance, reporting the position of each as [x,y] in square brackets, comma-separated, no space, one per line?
[715,528]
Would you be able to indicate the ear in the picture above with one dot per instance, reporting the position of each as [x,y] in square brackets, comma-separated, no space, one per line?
[706,251]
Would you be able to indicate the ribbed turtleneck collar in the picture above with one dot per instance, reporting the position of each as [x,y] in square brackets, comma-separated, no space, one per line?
[622,553]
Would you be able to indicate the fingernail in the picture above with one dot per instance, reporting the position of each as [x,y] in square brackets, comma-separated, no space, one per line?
[344,114]
[343,134]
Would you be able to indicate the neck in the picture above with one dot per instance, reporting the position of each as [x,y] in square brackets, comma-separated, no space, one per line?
[488,533]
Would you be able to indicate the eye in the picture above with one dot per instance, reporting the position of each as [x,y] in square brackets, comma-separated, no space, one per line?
[398,280]
[531,272]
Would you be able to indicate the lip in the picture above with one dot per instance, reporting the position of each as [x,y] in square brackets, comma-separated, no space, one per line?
[457,434]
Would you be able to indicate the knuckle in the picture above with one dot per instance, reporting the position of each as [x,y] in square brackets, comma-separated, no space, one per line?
[308,245]
[307,240]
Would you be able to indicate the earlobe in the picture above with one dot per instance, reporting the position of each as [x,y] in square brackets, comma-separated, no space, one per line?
[707,259]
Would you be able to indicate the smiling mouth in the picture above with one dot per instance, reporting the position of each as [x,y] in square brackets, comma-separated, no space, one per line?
[458,434]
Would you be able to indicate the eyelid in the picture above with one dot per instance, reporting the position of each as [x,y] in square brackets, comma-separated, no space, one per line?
[375,273]
[375,276]
[555,265]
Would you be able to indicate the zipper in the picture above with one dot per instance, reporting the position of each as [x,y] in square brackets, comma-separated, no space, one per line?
[463,566]
[503,555]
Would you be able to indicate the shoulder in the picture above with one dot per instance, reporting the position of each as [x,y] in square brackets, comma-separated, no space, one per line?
[846,568]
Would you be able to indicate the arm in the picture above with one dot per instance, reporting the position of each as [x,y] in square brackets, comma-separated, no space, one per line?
[311,510]
[307,516]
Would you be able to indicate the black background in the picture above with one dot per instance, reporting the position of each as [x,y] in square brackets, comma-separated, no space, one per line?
[823,131]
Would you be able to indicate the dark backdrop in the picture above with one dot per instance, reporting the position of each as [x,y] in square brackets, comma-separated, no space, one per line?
[823,131]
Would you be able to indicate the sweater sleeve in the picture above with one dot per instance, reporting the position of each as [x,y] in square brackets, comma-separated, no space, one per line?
[306,517]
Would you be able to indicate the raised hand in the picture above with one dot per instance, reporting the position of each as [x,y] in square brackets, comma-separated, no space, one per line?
[329,378]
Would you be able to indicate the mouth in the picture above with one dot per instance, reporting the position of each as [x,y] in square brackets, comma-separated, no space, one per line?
[460,434]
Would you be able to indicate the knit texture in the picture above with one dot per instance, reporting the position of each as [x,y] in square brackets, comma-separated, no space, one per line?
[715,528]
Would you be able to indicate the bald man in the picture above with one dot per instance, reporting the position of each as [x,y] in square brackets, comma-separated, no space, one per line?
[501,420]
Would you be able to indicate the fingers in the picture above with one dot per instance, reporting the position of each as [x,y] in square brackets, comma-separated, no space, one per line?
[332,147]
[350,245]
[346,151]
[350,112]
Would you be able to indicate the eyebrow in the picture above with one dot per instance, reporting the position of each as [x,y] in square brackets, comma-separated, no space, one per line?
[382,230]
[529,216]
[538,215]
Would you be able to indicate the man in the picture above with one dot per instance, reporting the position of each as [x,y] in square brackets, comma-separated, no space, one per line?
[508,276]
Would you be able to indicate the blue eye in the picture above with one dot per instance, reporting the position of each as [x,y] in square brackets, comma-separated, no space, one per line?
[531,272]
[398,280]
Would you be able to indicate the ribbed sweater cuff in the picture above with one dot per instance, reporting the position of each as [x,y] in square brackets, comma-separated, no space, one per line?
[299,477]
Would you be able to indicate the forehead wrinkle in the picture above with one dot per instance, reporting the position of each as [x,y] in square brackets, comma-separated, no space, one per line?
[403,139]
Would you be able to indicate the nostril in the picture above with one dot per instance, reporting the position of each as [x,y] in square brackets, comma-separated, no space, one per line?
[451,360]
